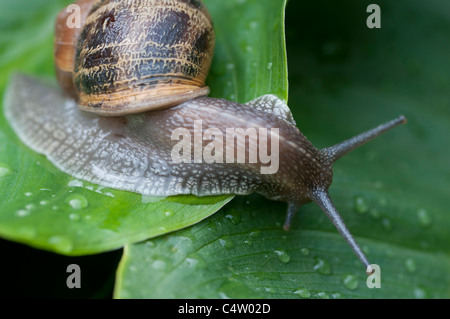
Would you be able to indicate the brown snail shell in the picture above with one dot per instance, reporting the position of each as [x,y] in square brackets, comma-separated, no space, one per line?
[135,56]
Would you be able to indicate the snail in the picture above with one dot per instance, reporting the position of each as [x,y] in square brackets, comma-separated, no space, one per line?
[135,75]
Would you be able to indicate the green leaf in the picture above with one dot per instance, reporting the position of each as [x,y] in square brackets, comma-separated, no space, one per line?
[242,252]
[392,193]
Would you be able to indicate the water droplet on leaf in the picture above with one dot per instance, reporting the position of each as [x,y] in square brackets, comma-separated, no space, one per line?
[282,256]
[424,217]
[159,265]
[303,293]
[4,170]
[256,233]
[360,205]
[168,213]
[420,293]
[61,243]
[323,295]
[350,282]
[305,251]
[22,213]
[74,217]
[226,243]
[234,217]
[132,268]
[77,201]
[410,265]
[322,266]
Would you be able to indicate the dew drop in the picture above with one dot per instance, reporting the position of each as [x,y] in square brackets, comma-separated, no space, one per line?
[132,268]
[304,251]
[159,265]
[75,183]
[410,265]
[226,243]
[323,295]
[168,213]
[350,282]
[77,201]
[303,293]
[255,234]
[30,206]
[420,293]
[28,194]
[74,217]
[22,213]
[269,66]
[424,217]
[336,295]
[254,24]
[234,217]
[223,295]
[322,266]
[4,170]
[61,243]
[43,202]
[282,256]
[248,242]
[230,66]
[360,205]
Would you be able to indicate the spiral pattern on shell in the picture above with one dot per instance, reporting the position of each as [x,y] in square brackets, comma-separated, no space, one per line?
[138,55]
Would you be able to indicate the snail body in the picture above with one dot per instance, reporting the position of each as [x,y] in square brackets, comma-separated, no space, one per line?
[134,150]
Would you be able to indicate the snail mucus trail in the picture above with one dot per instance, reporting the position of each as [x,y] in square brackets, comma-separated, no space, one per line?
[130,148]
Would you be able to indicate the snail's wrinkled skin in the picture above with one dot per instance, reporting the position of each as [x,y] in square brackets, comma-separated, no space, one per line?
[134,152]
